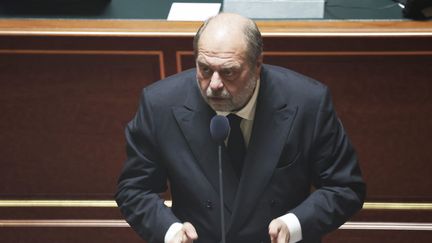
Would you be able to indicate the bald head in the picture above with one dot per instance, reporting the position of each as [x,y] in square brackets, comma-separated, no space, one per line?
[228,21]
[227,30]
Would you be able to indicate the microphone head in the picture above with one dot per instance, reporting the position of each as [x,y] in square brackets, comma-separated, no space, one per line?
[219,128]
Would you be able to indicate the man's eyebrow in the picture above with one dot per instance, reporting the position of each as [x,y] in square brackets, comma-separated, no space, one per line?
[231,66]
[202,62]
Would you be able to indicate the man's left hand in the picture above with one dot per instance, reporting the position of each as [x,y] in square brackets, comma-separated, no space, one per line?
[278,231]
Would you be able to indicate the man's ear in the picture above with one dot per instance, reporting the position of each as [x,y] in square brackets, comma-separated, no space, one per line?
[259,62]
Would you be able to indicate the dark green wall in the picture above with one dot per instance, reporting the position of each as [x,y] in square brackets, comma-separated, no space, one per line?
[158,9]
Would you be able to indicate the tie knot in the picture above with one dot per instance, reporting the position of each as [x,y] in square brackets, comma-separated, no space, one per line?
[234,120]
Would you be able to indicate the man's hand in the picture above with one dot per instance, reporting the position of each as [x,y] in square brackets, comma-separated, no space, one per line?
[278,231]
[187,234]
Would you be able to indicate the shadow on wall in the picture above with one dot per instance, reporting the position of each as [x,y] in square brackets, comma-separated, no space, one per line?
[41,8]
[417,9]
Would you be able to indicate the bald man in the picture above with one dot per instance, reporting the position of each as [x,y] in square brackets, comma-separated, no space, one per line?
[290,139]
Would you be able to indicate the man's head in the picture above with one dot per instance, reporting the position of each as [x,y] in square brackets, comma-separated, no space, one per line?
[228,54]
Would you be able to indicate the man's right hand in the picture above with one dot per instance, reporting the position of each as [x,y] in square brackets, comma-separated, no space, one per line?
[187,234]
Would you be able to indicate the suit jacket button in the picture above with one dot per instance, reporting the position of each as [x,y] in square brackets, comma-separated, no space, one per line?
[272,203]
[209,204]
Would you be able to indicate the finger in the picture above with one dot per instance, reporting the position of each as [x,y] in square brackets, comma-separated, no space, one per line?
[190,231]
[178,237]
[283,233]
[273,239]
[282,237]
[184,238]
[274,229]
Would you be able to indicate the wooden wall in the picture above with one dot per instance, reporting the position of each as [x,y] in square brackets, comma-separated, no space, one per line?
[64,101]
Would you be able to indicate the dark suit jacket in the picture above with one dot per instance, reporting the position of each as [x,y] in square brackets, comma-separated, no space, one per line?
[297,141]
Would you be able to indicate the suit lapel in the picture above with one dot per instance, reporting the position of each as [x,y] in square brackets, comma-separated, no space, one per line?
[193,119]
[273,121]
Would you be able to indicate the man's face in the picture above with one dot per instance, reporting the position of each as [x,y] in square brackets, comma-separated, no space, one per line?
[226,79]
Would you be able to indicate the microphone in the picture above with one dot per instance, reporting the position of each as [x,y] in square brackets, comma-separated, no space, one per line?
[219,130]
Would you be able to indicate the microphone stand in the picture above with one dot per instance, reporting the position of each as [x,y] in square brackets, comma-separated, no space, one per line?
[221,194]
[219,130]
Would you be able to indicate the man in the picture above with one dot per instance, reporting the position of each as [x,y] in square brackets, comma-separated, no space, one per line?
[292,135]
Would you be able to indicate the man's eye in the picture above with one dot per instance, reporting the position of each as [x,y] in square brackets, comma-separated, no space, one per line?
[228,73]
[206,70]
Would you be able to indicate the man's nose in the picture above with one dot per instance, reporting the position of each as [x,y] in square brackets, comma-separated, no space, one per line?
[216,82]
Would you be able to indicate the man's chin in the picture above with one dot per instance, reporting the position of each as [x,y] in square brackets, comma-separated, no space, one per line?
[220,107]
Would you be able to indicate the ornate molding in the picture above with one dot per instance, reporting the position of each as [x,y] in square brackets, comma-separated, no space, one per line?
[115,223]
[163,28]
[158,53]
[110,203]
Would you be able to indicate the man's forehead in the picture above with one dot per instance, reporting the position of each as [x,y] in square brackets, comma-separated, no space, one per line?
[207,52]
[231,61]
[221,50]
[222,42]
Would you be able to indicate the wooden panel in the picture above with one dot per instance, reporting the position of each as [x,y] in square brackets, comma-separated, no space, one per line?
[69,235]
[409,215]
[63,115]
[100,233]
[378,236]
[84,235]
[57,213]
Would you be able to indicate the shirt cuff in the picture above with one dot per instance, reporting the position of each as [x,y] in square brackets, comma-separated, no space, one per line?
[294,227]
[172,230]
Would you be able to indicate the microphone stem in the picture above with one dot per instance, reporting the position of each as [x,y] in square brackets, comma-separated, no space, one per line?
[221,195]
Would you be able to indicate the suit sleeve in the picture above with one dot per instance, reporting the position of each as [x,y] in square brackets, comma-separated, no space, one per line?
[143,178]
[336,175]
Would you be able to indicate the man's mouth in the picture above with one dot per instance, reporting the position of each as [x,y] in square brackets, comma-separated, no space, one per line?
[216,97]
